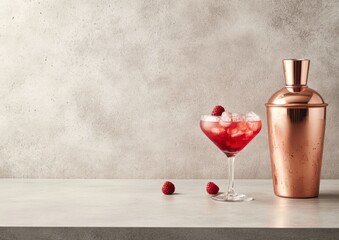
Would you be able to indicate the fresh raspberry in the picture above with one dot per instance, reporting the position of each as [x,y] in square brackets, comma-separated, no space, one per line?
[212,188]
[217,110]
[168,188]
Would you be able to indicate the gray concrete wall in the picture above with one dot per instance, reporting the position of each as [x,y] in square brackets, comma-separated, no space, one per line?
[115,89]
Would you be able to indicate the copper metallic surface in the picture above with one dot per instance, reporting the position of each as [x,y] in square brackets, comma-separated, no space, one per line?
[296,71]
[296,117]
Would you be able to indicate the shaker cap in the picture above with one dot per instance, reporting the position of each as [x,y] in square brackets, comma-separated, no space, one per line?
[296,71]
[296,93]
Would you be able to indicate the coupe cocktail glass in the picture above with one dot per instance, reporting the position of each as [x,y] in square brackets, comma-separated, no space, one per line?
[231,132]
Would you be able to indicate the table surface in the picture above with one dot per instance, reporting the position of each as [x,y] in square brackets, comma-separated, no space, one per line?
[140,203]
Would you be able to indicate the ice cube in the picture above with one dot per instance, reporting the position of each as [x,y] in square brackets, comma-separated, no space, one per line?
[251,116]
[226,116]
[208,118]
[249,133]
[218,130]
[237,117]
[224,124]
[242,126]
[236,134]
[254,125]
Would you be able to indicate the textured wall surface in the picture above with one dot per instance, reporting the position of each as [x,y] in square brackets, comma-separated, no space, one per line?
[115,89]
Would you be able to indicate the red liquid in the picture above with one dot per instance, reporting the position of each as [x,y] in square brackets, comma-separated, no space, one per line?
[230,137]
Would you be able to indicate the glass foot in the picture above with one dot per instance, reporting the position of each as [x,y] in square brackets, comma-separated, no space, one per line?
[224,197]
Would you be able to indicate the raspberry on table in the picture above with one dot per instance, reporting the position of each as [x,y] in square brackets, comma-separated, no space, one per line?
[212,188]
[168,188]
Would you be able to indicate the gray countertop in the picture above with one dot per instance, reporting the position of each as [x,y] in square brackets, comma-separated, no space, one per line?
[140,203]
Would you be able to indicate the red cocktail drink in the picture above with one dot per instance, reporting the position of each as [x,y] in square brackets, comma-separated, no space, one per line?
[230,137]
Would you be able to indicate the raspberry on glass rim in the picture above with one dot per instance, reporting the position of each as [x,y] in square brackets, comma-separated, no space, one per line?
[217,110]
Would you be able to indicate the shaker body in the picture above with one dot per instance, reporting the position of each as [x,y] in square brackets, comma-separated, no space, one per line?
[296,139]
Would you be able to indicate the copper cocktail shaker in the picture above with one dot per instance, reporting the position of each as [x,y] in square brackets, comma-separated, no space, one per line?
[296,116]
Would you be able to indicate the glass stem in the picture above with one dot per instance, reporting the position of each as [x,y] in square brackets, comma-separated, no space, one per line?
[231,176]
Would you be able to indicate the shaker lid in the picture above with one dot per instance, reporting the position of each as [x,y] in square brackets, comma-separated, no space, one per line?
[296,97]
[296,93]
[296,71]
